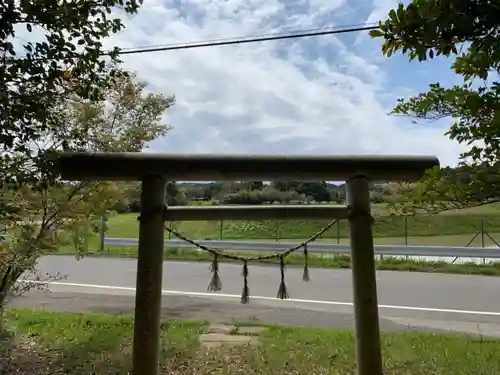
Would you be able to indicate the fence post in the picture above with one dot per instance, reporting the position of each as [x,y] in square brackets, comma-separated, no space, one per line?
[102,232]
[482,233]
[277,230]
[482,238]
[338,232]
[406,230]
[86,235]
[368,348]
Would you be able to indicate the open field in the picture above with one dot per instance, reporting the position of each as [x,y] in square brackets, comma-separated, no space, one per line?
[389,229]
[457,229]
[51,343]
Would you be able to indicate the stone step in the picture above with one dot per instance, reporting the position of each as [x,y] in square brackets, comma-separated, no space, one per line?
[250,330]
[219,339]
[221,334]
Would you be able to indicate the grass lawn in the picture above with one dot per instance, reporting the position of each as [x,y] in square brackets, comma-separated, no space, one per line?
[50,343]
[396,227]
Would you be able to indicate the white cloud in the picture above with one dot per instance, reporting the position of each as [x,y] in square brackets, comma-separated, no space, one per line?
[328,94]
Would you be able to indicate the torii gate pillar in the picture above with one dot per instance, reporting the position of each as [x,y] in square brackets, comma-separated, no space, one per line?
[146,345]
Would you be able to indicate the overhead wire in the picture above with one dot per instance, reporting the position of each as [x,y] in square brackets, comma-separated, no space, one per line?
[240,40]
[245,40]
[324,28]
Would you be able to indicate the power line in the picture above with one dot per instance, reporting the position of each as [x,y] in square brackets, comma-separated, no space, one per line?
[241,40]
[244,40]
[255,36]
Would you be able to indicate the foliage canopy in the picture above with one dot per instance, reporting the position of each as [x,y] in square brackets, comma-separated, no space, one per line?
[51,213]
[48,50]
[468,31]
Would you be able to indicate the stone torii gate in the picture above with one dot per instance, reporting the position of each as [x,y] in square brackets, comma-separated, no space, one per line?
[153,170]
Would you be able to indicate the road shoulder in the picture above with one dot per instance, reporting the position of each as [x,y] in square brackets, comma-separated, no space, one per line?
[230,312]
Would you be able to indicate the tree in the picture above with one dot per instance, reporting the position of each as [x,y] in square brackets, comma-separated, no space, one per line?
[193,191]
[246,197]
[285,185]
[66,59]
[317,190]
[468,31]
[212,190]
[255,185]
[52,213]
[268,195]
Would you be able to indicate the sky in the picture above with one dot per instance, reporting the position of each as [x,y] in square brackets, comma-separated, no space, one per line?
[320,95]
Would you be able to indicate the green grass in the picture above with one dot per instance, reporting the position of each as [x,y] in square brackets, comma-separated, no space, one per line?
[465,222]
[50,343]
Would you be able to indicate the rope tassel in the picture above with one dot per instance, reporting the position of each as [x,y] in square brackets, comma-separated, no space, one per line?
[245,294]
[282,290]
[305,275]
[215,284]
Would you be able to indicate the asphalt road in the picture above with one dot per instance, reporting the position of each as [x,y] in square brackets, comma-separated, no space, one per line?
[407,301]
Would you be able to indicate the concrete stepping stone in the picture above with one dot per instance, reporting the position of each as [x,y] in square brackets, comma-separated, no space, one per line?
[250,331]
[220,334]
[220,328]
[219,339]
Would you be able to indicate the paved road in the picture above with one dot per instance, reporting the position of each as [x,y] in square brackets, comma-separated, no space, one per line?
[407,300]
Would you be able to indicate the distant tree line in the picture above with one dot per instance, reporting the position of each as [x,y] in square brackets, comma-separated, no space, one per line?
[250,193]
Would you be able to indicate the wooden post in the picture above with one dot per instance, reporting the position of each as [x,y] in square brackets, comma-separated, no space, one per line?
[338,232]
[406,230]
[86,234]
[482,238]
[368,349]
[482,233]
[102,233]
[146,345]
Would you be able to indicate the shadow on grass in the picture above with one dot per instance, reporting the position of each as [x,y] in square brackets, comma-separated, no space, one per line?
[50,344]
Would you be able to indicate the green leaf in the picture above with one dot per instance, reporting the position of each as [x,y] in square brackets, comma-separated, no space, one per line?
[392,15]
[376,33]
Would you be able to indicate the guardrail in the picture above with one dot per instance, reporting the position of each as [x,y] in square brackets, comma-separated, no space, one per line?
[387,250]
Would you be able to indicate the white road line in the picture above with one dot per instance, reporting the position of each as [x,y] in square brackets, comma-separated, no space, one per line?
[307,301]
